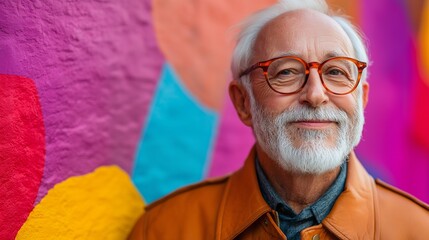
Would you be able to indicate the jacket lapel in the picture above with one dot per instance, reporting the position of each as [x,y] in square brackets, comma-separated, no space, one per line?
[354,215]
[242,203]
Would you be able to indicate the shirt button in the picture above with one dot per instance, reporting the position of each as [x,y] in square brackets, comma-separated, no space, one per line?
[316,237]
[265,221]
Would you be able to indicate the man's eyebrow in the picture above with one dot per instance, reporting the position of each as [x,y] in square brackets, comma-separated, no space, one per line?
[289,53]
[332,54]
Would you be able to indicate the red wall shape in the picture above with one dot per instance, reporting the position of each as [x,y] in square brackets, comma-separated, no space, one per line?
[22,151]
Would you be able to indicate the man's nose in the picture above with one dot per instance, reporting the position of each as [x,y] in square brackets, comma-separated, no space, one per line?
[314,93]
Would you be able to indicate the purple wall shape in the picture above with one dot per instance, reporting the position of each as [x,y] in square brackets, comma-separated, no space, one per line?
[90,63]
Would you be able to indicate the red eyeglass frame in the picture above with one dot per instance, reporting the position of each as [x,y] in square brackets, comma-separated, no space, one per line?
[265,64]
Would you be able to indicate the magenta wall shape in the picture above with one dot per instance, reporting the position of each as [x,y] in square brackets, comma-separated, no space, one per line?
[387,141]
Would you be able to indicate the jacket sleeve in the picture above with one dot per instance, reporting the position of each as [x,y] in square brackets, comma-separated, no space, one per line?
[138,231]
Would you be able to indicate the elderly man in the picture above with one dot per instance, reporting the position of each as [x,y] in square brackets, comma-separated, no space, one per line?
[299,83]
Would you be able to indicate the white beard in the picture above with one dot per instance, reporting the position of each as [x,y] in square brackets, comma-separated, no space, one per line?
[314,155]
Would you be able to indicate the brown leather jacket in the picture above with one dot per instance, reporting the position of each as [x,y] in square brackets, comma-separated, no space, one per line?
[232,207]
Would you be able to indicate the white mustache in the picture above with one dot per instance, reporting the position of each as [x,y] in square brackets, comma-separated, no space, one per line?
[306,113]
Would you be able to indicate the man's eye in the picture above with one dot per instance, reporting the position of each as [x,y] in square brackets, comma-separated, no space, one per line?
[335,72]
[287,72]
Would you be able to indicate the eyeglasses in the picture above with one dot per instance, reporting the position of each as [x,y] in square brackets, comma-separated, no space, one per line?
[288,74]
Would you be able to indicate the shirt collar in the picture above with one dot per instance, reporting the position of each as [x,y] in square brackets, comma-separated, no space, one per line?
[320,209]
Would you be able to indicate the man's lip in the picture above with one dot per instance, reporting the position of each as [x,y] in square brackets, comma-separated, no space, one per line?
[314,124]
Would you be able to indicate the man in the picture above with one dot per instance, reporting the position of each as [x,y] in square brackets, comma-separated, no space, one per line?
[300,84]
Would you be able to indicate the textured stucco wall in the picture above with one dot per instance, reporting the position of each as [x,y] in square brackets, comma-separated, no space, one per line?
[87,59]
[142,85]
[93,80]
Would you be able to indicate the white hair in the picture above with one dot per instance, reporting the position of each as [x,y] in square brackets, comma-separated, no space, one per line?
[251,27]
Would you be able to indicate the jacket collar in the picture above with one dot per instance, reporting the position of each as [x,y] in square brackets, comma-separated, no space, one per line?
[352,217]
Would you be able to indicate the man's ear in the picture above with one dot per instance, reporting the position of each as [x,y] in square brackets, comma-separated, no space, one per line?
[241,101]
[365,93]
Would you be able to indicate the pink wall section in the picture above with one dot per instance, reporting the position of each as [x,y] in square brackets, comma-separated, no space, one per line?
[233,142]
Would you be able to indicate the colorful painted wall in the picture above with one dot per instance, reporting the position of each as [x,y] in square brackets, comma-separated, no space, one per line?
[109,105]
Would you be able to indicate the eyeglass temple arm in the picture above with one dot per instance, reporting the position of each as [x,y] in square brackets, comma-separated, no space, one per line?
[263,65]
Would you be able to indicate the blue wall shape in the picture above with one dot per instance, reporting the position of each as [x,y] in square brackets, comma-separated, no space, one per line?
[176,143]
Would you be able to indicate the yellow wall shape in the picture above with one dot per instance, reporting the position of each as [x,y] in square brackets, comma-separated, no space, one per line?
[103,204]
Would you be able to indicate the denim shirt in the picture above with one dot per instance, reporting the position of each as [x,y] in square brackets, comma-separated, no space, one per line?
[291,223]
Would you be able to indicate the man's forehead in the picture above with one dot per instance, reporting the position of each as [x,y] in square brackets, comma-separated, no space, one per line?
[326,53]
[286,34]
[300,18]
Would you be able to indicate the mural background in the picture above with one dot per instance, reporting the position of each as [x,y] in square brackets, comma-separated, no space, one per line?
[107,106]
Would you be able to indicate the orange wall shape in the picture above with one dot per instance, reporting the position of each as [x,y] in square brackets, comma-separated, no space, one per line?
[424,43]
[415,12]
[196,38]
[349,8]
